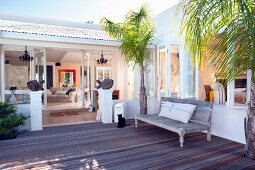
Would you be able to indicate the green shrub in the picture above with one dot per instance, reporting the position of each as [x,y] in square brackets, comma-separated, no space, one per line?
[10,120]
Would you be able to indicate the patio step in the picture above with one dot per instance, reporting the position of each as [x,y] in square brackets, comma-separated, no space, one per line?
[67,110]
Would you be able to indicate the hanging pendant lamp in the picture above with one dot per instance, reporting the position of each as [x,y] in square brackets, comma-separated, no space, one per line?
[102,60]
[26,57]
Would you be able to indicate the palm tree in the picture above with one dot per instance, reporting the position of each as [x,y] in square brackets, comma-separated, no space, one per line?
[135,34]
[222,32]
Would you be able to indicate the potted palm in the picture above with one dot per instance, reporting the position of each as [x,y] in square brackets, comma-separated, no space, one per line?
[135,34]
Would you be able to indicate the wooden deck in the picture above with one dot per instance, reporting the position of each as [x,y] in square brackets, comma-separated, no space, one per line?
[99,146]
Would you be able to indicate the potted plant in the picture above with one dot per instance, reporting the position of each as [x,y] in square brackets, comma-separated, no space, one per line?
[10,120]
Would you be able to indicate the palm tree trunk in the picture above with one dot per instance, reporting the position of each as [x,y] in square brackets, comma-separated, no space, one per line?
[143,97]
[249,124]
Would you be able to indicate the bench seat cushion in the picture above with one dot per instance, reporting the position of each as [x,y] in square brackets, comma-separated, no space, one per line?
[172,125]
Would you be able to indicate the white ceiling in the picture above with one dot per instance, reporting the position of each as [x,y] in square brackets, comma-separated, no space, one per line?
[63,56]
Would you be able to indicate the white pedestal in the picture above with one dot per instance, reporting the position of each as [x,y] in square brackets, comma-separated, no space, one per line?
[36,110]
[105,105]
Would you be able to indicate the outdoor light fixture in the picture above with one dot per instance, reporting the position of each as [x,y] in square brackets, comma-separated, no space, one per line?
[102,60]
[26,57]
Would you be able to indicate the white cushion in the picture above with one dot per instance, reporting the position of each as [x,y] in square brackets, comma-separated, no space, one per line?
[60,92]
[49,92]
[189,108]
[178,111]
[167,105]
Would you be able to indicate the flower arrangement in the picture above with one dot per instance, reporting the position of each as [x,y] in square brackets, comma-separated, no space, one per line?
[12,88]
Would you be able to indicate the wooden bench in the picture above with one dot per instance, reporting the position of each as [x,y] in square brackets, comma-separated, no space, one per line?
[200,120]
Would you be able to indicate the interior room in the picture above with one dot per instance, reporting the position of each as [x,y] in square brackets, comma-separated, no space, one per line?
[64,76]
[212,86]
[70,80]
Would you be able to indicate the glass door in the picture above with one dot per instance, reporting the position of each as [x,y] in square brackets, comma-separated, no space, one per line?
[175,71]
[85,81]
[39,72]
[162,71]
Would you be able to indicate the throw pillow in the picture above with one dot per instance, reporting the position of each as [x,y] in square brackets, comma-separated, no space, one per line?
[189,108]
[165,105]
[176,114]
[70,90]
[49,92]
[60,92]
[178,111]
[54,89]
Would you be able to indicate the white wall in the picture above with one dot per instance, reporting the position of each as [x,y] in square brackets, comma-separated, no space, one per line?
[137,82]
[167,24]
[133,107]
[25,110]
[122,78]
[228,123]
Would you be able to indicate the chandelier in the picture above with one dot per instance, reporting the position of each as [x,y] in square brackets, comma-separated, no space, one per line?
[102,60]
[26,57]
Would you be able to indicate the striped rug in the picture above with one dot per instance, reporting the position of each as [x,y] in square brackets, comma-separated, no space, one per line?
[103,146]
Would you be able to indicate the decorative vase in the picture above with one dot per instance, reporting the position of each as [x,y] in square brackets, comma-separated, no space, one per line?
[13,98]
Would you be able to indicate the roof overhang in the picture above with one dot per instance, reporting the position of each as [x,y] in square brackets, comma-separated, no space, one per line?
[47,41]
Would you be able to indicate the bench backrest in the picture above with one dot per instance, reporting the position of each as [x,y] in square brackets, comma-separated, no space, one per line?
[201,114]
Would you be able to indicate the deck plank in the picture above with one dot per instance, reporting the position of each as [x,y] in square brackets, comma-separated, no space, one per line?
[103,146]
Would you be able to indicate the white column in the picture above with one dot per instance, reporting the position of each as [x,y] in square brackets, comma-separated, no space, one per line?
[45,78]
[36,110]
[88,79]
[137,82]
[248,86]
[32,65]
[105,105]
[231,94]
[168,70]
[183,71]
[196,80]
[114,72]
[92,83]
[82,80]
[2,78]
[159,72]
[153,54]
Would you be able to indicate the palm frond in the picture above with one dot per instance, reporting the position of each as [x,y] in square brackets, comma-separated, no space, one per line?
[224,31]
[134,33]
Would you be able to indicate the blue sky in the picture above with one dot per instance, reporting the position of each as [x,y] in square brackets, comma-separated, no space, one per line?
[79,10]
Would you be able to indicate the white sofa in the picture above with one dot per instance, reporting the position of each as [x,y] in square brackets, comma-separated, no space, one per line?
[61,94]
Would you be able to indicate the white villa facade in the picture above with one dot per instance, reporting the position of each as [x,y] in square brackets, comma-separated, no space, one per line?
[228,116]
[78,46]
